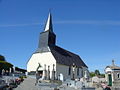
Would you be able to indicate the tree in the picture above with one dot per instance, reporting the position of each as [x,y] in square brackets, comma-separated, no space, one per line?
[102,75]
[2,58]
[4,64]
[92,74]
[97,72]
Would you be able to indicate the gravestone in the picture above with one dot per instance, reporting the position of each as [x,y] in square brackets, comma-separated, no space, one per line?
[79,84]
[61,77]
[95,79]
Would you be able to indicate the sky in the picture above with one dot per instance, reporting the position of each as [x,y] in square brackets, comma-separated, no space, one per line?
[89,28]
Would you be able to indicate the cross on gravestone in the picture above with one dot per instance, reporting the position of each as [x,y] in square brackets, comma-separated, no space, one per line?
[48,73]
[45,72]
[53,72]
[38,67]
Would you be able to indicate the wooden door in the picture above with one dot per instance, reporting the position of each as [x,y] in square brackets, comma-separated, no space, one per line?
[109,80]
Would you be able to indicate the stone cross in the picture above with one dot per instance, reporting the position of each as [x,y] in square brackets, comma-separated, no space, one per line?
[48,72]
[45,72]
[53,72]
[38,67]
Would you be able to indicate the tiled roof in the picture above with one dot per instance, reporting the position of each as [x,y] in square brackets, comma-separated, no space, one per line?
[114,67]
[65,57]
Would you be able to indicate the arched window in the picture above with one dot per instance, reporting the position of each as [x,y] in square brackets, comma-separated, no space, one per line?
[69,71]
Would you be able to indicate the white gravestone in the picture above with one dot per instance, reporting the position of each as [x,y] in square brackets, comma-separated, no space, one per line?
[61,77]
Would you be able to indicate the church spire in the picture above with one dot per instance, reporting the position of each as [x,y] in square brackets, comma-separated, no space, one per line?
[48,26]
[47,37]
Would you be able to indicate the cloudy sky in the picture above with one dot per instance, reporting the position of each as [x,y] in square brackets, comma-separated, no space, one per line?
[89,28]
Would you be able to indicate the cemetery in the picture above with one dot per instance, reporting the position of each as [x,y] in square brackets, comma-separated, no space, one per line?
[10,76]
[53,68]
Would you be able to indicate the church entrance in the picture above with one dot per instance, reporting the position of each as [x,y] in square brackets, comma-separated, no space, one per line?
[40,73]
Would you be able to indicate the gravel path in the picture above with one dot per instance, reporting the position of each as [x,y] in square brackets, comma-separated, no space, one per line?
[27,84]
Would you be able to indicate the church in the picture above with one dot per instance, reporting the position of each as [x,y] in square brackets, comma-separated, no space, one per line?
[51,61]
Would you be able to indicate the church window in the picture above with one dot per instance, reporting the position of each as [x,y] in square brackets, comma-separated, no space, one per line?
[69,71]
[118,75]
[82,72]
[77,71]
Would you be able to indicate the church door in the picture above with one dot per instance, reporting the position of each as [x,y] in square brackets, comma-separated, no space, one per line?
[109,80]
[40,73]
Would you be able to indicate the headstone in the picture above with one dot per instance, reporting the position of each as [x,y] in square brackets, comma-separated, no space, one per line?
[13,75]
[10,70]
[86,76]
[3,71]
[61,77]
[14,69]
[95,79]
[45,72]
[79,84]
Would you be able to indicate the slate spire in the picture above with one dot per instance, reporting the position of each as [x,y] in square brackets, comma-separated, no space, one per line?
[47,37]
[48,26]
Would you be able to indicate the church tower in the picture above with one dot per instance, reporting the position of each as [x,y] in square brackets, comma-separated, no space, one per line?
[47,37]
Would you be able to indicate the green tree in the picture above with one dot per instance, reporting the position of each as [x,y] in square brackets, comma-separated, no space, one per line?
[102,75]
[92,74]
[97,72]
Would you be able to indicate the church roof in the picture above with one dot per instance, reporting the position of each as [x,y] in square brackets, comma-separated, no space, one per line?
[65,57]
[113,67]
